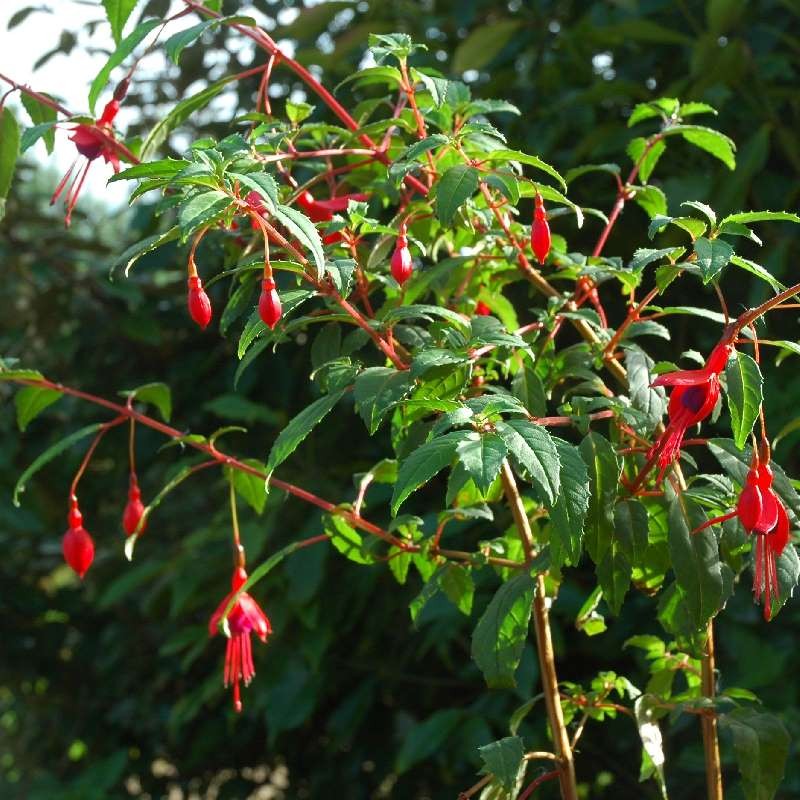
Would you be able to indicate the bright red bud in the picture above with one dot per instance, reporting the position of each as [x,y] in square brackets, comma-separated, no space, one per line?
[540,231]
[199,304]
[481,309]
[77,545]
[134,509]
[269,304]
[402,265]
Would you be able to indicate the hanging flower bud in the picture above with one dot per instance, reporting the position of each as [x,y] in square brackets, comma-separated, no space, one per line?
[269,304]
[122,89]
[199,304]
[134,509]
[402,265]
[540,231]
[77,545]
[481,309]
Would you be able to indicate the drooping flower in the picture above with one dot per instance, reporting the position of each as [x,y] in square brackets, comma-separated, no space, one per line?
[77,544]
[762,514]
[134,508]
[402,263]
[693,398]
[246,617]
[199,302]
[269,304]
[323,210]
[91,142]
[481,309]
[540,231]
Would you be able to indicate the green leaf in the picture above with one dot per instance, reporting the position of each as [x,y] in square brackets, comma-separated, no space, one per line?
[248,486]
[499,637]
[130,256]
[159,394]
[163,168]
[376,391]
[533,449]
[524,158]
[744,217]
[646,154]
[528,388]
[744,391]
[704,579]
[262,183]
[761,744]
[502,759]
[303,229]
[348,541]
[758,271]
[483,44]
[426,738]
[44,119]
[9,152]
[423,463]
[422,146]
[124,49]
[628,541]
[118,12]
[787,568]
[202,209]
[712,256]
[458,586]
[603,466]
[178,41]
[31,401]
[713,142]
[704,209]
[568,513]
[652,200]
[180,113]
[482,456]
[651,401]
[299,427]
[48,455]
[452,190]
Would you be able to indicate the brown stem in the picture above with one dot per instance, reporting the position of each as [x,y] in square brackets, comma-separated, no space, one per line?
[709,722]
[544,646]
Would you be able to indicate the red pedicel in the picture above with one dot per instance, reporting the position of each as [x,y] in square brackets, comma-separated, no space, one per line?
[269,304]
[199,304]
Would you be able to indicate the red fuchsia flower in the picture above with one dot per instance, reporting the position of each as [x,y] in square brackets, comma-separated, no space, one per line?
[402,264]
[762,513]
[246,617]
[91,142]
[323,210]
[134,508]
[269,304]
[77,545]
[199,302]
[481,309]
[540,231]
[693,398]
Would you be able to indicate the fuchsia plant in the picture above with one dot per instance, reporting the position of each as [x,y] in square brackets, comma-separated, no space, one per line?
[465,358]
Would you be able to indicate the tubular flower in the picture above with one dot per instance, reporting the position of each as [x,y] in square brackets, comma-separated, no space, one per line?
[693,398]
[269,304]
[762,513]
[91,142]
[134,508]
[77,545]
[199,302]
[323,210]
[402,264]
[246,617]
[540,231]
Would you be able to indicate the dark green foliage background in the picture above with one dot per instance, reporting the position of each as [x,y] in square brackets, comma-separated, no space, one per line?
[98,682]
